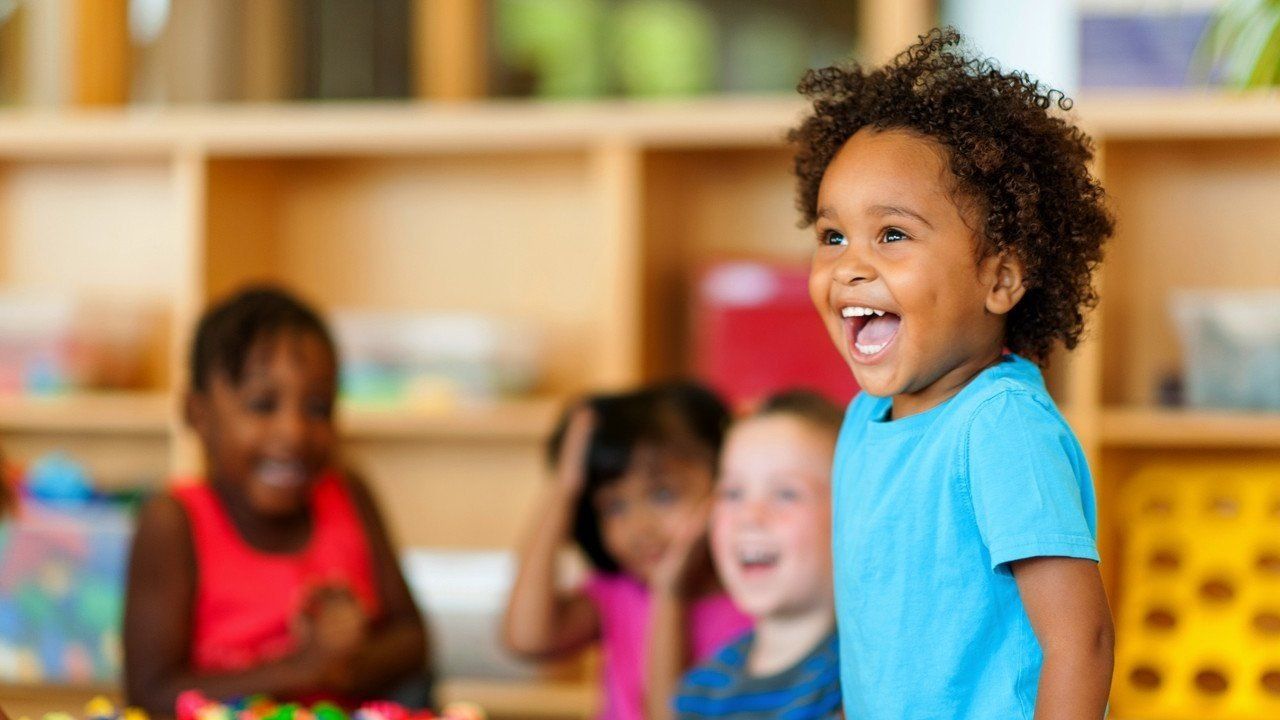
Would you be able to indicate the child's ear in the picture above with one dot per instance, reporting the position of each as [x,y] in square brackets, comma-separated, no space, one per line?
[1008,283]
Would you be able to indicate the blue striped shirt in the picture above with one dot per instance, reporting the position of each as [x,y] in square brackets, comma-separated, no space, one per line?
[721,687]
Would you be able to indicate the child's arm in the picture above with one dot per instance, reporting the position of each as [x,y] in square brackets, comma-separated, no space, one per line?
[396,646]
[669,652]
[1067,606]
[157,624]
[540,621]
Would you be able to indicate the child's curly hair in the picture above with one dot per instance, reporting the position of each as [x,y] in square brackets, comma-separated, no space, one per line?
[1024,169]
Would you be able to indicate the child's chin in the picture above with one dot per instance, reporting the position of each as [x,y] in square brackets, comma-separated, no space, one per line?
[277,503]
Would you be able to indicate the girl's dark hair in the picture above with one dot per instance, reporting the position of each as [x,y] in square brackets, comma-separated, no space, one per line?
[680,417]
[1025,165]
[806,405]
[229,330]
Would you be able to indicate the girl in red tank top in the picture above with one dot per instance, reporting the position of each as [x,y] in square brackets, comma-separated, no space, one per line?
[274,575]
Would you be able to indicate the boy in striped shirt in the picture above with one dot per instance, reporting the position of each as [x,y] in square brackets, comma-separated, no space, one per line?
[771,542]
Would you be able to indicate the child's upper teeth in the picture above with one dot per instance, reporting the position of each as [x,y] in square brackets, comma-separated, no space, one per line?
[858,311]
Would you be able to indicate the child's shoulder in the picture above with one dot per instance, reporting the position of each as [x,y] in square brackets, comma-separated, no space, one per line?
[163,528]
[1014,383]
[1009,409]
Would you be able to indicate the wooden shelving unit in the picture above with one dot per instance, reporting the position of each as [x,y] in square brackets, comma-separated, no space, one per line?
[1189,429]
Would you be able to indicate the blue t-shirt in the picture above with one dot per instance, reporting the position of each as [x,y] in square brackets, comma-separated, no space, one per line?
[929,510]
[722,689]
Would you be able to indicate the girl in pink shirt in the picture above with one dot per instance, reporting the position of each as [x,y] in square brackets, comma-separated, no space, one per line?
[633,476]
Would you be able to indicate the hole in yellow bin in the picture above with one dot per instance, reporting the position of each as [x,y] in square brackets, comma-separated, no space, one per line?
[1217,590]
[1270,681]
[1267,622]
[1158,507]
[1159,618]
[1165,560]
[1211,681]
[1268,562]
[1224,506]
[1146,678]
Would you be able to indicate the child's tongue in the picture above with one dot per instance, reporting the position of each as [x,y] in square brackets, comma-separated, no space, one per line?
[879,329]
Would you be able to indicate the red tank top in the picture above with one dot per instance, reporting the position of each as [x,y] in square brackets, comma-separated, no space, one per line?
[246,599]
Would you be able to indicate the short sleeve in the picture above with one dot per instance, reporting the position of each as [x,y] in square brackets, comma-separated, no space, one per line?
[1028,481]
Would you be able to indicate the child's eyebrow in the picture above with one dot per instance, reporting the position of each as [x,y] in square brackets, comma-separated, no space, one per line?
[827,212]
[883,210]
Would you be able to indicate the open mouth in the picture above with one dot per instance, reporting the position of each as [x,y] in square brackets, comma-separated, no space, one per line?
[754,560]
[870,331]
[282,474]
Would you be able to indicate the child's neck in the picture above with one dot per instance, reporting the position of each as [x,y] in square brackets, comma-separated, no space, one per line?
[946,386]
[270,535]
[781,642]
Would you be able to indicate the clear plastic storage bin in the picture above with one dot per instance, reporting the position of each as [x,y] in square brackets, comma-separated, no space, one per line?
[1231,347]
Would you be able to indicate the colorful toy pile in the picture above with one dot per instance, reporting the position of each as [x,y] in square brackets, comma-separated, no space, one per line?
[62,567]
[193,705]
[1199,618]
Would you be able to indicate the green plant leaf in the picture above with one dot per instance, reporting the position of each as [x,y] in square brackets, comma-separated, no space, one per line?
[1250,45]
[1220,47]
[1267,65]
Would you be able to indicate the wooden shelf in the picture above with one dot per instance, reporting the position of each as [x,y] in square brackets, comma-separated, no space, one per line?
[400,128]
[33,700]
[507,699]
[141,413]
[1168,428]
[148,413]
[1189,114]
[496,126]
[518,419]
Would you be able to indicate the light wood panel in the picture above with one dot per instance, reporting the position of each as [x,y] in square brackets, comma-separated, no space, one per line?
[459,494]
[1193,214]
[703,206]
[89,227]
[521,237]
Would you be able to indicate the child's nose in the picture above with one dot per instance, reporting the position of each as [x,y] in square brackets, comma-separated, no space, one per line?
[853,266]
[756,512]
[290,427]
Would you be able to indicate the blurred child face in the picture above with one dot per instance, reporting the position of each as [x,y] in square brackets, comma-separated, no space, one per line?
[267,439]
[641,511]
[896,275]
[771,524]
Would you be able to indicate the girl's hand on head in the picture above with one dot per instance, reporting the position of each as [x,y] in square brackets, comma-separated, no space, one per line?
[571,465]
[687,561]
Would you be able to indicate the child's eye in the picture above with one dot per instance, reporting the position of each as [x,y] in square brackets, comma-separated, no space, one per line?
[730,494]
[663,495]
[787,494]
[613,507]
[833,237]
[890,235]
[320,409]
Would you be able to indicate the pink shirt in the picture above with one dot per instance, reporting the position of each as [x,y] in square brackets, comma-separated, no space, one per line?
[624,607]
